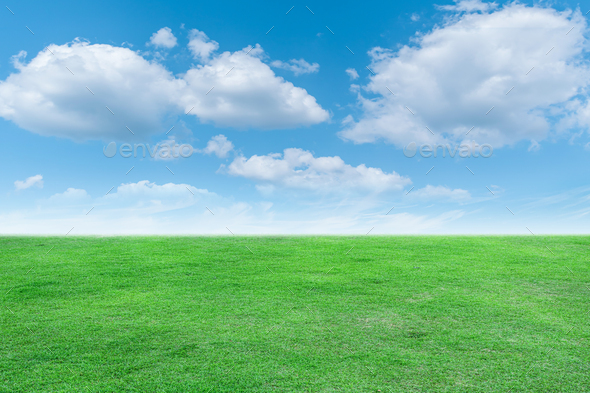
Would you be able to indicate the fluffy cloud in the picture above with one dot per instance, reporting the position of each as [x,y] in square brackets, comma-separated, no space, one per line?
[218,145]
[247,93]
[200,45]
[456,73]
[163,38]
[36,180]
[45,98]
[82,91]
[352,73]
[299,169]
[298,67]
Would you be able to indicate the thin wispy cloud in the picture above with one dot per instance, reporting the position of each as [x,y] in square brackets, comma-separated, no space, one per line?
[33,181]
[297,67]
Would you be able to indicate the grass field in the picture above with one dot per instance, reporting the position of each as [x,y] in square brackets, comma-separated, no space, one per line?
[295,314]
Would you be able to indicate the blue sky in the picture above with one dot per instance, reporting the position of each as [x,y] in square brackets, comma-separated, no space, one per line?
[298,116]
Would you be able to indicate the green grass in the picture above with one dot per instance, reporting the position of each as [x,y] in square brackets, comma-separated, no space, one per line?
[297,314]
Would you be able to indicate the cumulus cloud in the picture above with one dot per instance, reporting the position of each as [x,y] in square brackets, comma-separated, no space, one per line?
[163,38]
[298,67]
[299,169]
[200,45]
[457,72]
[352,73]
[109,92]
[247,93]
[45,98]
[36,180]
[219,145]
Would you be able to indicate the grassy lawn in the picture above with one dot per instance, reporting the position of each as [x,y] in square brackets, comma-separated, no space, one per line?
[295,314]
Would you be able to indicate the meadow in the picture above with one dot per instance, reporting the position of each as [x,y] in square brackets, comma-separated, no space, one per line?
[295,314]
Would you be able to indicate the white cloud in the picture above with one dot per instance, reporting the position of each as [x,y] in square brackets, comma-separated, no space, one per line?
[299,169]
[456,73]
[469,6]
[145,188]
[247,93]
[415,17]
[70,197]
[145,207]
[36,180]
[149,197]
[17,59]
[442,193]
[149,208]
[143,197]
[241,218]
[200,45]
[140,197]
[45,98]
[352,73]
[298,67]
[71,193]
[163,38]
[219,145]
[535,146]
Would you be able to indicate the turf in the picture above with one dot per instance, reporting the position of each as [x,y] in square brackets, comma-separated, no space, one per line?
[295,314]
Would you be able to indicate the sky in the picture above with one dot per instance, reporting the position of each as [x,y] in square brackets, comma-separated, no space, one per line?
[153,117]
